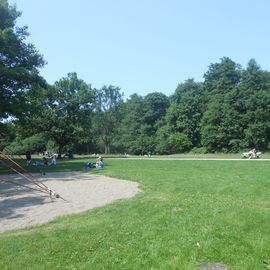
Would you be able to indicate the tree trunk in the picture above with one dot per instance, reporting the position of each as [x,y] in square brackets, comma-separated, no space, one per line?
[107,149]
[60,150]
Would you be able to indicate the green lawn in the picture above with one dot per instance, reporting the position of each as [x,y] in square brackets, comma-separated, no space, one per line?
[188,212]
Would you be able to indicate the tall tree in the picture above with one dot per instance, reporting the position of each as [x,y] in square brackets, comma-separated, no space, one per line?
[107,115]
[63,111]
[130,126]
[255,88]
[19,63]
[220,81]
[155,106]
[141,119]
[186,110]
[221,78]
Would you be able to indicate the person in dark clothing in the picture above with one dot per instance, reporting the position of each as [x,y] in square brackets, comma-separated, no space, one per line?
[28,158]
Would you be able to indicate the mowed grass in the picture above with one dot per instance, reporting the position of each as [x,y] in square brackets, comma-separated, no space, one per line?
[187,212]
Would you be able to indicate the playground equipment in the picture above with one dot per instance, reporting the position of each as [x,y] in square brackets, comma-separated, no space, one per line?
[32,182]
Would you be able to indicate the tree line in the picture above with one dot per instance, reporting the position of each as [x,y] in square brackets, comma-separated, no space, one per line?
[227,112]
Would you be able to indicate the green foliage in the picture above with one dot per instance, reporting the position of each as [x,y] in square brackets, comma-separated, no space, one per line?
[131,124]
[179,143]
[51,147]
[107,115]
[221,78]
[19,63]
[63,112]
[227,112]
[36,143]
[238,117]
[162,140]
[7,134]
[199,150]
[186,110]
[155,106]
[142,116]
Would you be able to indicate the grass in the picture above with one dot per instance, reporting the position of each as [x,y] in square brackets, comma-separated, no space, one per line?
[188,212]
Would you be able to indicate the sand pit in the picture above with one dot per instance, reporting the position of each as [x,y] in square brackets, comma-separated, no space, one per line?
[21,207]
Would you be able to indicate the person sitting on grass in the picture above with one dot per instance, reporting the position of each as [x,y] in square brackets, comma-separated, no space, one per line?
[28,158]
[252,153]
[45,161]
[100,163]
[89,165]
[37,163]
[53,161]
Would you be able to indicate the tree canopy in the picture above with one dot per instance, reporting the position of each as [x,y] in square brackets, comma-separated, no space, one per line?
[19,63]
[228,111]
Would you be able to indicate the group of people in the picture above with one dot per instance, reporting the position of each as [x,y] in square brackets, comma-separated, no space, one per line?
[98,164]
[252,153]
[52,161]
[44,162]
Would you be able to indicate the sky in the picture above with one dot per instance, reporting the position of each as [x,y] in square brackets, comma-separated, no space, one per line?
[144,46]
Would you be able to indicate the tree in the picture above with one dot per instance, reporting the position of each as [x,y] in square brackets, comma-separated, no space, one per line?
[19,63]
[7,134]
[162,139]
[186,110]
[63,112]
[130,125]
[35,143]
[219,123]
[141,120]
[255,93]
[221,78]
[155,106]
[107,114]
[238,117]
[179,143]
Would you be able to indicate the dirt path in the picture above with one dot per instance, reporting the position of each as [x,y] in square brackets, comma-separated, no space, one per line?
[21,207]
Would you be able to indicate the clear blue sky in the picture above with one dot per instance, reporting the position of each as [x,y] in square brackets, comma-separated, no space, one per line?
[145,46]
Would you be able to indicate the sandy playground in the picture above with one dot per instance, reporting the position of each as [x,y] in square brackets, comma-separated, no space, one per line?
[21,207]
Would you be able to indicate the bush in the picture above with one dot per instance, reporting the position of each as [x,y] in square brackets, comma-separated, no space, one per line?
[35,143]
[15,148]
[179,143]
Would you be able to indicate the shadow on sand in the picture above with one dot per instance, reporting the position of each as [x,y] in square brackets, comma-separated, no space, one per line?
[13,197]
[9,206]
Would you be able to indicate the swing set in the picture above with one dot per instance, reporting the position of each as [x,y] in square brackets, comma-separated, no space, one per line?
[8,160]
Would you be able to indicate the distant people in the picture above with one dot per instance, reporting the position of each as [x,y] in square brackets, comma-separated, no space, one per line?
[99,163]
[37,163]
[53,161]
[69,154]
[89,165]
[28,158]
[252,153]
[45,161]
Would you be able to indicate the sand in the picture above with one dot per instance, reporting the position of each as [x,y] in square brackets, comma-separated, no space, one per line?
[21,207]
